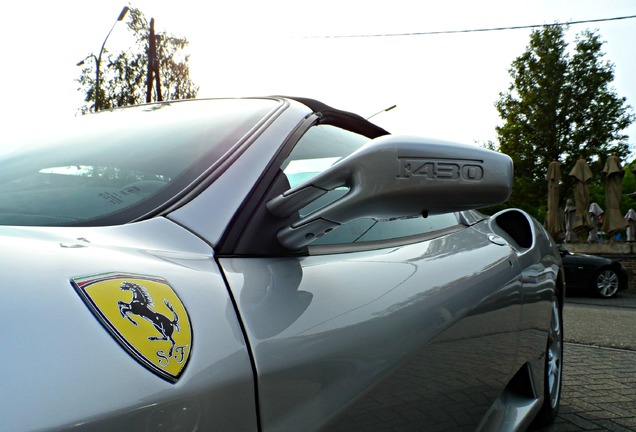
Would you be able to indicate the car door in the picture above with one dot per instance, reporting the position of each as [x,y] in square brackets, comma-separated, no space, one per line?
[576,274]
[378,323]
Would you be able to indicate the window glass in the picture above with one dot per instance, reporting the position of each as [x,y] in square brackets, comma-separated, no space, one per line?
[383,230]
[323,146]
[319,148]
[121,164]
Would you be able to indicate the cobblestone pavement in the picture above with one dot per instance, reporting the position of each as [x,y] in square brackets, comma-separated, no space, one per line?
[599,383]
[599,390]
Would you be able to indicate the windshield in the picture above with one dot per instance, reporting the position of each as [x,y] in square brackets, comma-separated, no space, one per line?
[114,167]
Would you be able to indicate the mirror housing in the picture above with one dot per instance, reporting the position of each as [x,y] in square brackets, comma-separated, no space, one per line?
[395,177]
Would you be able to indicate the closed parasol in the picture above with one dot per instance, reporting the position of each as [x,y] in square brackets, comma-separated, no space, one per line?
[569,214]
[630,217]
[613,220]
[595,219]
[583,175]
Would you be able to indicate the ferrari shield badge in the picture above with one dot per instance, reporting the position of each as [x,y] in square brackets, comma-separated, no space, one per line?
[145,315]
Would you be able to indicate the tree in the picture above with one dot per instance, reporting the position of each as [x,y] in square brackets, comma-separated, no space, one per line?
[597,115]
[123,75]
[559,106]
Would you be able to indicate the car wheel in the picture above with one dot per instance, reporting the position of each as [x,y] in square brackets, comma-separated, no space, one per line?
[553,371]
[607,282]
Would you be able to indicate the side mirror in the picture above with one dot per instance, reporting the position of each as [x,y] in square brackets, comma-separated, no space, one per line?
[394,177]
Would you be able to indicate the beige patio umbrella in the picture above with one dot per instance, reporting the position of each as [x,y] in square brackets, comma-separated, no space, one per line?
[613,220]
[552,220]
[595,220]
[583,175]
[569,214]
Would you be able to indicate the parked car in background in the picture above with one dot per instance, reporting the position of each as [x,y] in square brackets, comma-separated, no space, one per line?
[269,264]
[593,274]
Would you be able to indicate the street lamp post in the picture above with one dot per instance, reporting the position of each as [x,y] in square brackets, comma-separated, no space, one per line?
[98,61]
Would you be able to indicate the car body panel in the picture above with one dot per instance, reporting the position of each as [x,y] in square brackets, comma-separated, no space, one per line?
[324,329]
[542,280]
[88,381]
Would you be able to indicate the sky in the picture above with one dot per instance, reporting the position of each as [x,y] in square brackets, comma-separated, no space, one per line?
[444,85]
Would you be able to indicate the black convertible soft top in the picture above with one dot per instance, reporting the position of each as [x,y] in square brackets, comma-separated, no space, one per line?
[349,120]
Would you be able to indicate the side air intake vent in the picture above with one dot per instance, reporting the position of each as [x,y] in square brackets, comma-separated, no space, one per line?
[517,226]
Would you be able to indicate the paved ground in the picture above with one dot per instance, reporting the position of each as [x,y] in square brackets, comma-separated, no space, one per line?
[602,322]
[599,389]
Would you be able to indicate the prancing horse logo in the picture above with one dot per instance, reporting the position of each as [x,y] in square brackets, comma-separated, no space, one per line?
[140,305]
[159,336]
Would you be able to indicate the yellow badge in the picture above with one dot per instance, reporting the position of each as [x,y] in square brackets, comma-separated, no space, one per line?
[145,315]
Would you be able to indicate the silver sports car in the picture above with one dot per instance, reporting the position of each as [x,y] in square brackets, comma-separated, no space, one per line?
[269,264]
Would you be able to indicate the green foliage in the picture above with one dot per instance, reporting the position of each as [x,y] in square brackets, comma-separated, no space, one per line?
[559,105]
[123,75]
[629,186]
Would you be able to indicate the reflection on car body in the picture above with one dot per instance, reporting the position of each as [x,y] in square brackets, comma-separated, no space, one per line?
[270,264]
